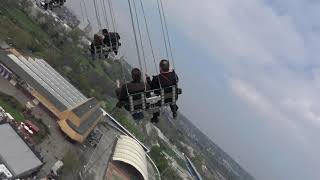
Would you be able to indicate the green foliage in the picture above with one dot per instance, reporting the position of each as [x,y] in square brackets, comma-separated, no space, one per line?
[167,172]
[12,106]
[131,126]
[160,160]
[170,152]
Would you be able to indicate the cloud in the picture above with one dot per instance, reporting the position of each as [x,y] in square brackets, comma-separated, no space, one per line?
[240,30]
[254,98]
[256,43]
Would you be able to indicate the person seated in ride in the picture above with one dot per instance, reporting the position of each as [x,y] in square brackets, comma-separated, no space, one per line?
[47,3]
[59,2]
[166,78]
[111,39]
[97,41]
[135,86]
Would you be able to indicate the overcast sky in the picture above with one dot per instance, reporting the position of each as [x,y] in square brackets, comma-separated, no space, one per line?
[250,73]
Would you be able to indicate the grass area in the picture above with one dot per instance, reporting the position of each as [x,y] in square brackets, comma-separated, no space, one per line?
[20,18]
[12,106]
[166,170]
[171,153]
[160,160]
[131,126]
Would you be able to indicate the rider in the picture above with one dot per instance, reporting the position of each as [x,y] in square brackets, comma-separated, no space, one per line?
[135,86]
[111,39]
[166,78]
[60,2]
[97,42]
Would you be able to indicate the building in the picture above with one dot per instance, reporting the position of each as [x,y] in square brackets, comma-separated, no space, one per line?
[77,115]
[129,160]
[16,158]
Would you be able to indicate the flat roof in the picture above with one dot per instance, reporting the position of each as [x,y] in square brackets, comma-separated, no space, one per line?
[15,153]
[44,79]
[87,123]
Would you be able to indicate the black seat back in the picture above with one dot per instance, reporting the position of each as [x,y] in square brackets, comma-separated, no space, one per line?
[101,51]
[136,103]
[169,95]
[152,100]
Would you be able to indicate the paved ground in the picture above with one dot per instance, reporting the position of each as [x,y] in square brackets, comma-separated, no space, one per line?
[52,148]
[98,162]
[7,88]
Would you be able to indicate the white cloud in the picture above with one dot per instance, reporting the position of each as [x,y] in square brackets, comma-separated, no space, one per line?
[240,30]
[257,44]
[254,98]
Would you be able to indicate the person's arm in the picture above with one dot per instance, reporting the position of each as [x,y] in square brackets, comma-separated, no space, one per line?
[155,82]
[176,76]
[123,93]
[148,80]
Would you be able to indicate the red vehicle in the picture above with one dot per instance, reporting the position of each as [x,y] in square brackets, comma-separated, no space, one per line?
[32,126]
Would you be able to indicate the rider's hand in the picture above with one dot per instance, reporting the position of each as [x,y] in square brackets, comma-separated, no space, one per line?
[148,77]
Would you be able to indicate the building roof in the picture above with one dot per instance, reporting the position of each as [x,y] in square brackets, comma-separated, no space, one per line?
[85,107]
[15,153]
[87,123]
[129,151]
[44,79]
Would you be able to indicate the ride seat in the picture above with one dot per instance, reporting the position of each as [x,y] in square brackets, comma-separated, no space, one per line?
[153,100]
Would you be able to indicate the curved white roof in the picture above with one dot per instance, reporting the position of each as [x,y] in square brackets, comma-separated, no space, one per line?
[130,152]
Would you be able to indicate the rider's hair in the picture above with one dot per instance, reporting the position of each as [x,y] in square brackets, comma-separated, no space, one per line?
[164,65]
[136,74]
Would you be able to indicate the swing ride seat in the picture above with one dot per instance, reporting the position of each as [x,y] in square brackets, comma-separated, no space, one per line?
[50,3]
[152,100]
[103,51]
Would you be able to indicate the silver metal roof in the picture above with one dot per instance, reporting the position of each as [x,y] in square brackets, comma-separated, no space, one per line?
[47,80]
[28,69]
[16,155]
[75,92]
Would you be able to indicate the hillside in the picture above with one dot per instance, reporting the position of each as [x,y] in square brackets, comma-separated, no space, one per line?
[39,35]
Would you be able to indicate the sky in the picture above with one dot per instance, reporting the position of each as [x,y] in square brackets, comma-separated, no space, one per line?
[250,74]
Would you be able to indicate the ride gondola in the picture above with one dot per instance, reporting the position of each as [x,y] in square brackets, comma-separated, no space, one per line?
[50,4]
[101,48]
